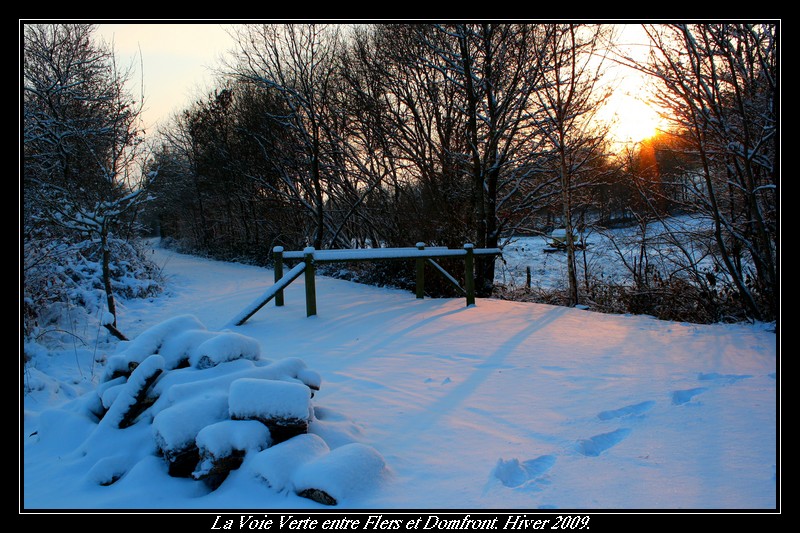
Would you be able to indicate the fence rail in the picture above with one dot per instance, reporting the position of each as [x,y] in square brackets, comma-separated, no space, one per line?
[311,257]
[270,293]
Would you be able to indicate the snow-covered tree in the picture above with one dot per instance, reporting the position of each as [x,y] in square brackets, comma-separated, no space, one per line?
[720,83]
[81,141]
[568,101]
[499,68]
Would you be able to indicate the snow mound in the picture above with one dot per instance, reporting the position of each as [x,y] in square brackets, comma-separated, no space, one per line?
[344,473]
[224,347]
[266,399]
[277,465]
[149,342]
[108,470]
[204,402]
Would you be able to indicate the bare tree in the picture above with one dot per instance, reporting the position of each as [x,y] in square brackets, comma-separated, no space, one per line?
[568,100]
[297,62]
[496,69]
[415,129]
[81,137]
[719,82]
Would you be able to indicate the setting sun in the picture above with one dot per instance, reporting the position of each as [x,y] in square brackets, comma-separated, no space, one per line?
[627,113]
[629,117]
[631,120]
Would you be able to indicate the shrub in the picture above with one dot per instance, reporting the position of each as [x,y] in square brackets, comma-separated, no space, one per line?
[60,273]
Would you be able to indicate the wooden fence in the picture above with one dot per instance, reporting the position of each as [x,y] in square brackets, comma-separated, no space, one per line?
[310,257]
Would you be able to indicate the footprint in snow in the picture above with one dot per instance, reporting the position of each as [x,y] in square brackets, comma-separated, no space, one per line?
[628,410]
[680,397]
[513,473]
[599,443]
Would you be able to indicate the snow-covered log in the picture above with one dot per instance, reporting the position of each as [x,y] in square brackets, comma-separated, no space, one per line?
[223,347]
[277,464]
[176,427]
[222,447]
[129,401]
[284,407]
[343,473]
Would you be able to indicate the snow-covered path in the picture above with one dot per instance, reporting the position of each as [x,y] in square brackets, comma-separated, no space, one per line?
[498,406]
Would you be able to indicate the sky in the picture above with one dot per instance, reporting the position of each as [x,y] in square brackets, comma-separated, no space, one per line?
[174,63]
[417,404]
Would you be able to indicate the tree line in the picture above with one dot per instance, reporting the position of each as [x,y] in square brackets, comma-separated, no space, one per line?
[390,134]
[387,135]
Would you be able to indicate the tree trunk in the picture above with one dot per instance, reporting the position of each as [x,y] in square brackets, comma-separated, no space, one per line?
[319,214]
[572,279]
[112,308]
[478,197]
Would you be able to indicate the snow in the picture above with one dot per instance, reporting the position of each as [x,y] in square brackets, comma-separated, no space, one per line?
[422,404]
[310,378]
[276,465]
[221,439]
[266,399]
[127,395]
[183,347]
[176,427]
[150,342]
[227,346]
[344,474]
[270,293]
[605,254]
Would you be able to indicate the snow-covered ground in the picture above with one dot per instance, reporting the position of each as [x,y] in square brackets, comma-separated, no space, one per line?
[422,404]
[670,243]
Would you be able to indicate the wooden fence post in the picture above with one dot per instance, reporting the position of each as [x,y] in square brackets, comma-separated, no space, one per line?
[469,274]
[420,273]
[311,289]
[277,254]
